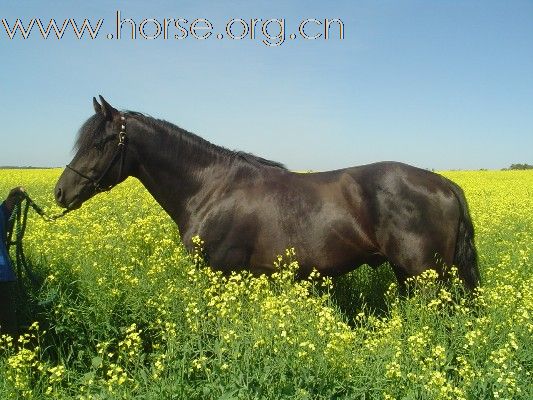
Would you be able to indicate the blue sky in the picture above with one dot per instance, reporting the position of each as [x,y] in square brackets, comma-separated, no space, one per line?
[437,84]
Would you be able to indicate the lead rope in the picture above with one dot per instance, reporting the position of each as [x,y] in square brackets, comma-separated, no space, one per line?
[18,222]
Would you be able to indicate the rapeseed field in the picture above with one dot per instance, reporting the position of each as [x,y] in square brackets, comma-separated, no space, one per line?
[124,312]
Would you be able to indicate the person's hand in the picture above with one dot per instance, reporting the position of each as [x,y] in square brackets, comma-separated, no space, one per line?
[15,196]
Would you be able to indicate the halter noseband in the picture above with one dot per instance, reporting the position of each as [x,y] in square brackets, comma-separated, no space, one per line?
[119,152]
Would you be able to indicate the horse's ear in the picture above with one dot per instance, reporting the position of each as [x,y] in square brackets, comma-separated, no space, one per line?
[97,106]
[107,110]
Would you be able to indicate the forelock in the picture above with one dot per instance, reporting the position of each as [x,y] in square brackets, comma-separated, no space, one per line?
[89,132]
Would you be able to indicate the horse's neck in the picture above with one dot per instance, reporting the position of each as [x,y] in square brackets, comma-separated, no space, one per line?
[174,172]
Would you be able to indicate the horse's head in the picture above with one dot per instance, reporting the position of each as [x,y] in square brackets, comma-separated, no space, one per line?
[99,160]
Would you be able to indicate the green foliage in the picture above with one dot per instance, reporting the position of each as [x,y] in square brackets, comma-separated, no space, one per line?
[520,166]
[125,313]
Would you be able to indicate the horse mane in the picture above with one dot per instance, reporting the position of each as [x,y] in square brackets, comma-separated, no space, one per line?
[89,131]
[192,138]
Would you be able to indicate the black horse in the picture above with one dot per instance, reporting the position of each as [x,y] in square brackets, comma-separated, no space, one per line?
[247,209]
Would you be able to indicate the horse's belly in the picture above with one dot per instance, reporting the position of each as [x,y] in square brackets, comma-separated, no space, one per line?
[331,245]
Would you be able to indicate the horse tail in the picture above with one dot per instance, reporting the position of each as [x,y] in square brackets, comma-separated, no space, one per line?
[465,257]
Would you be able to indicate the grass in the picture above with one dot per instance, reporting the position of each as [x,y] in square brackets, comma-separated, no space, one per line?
[125,313]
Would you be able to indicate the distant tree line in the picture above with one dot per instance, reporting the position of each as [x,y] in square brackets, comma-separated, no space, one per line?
[25,167]
[520,166]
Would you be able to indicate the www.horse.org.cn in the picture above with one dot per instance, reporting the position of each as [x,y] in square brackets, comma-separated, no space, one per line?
[271,32]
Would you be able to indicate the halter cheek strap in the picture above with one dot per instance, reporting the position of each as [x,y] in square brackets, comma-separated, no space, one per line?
[119,153]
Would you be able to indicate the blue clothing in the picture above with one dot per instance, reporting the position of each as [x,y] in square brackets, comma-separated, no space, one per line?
[6,269]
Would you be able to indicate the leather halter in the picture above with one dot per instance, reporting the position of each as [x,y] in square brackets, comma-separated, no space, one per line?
[119,153]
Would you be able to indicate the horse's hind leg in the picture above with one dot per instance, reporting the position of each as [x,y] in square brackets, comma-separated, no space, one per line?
[412,254]
[401,277]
